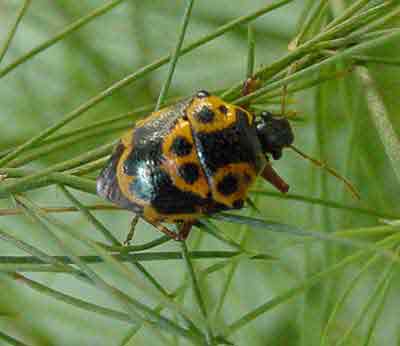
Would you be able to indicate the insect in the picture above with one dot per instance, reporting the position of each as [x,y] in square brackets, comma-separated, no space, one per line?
[198,156]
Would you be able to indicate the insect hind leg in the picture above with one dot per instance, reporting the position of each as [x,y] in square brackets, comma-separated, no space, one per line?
[181,235]
[185,229]
[131,232]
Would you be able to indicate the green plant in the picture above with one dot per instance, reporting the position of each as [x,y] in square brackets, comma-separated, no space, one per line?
[316,274]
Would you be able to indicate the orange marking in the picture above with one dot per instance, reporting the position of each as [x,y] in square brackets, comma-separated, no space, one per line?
[239,170]
[220,121]
[172,162]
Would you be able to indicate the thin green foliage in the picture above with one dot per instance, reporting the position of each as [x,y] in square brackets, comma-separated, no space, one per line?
[60,36]
[325,202]
[10,340]
[62,297]
[340,302]
[175,55]
[217,233]
[11,34]
[11,263]
[272,226]
[134,76]
[38,255]
[385,277]
[251,56]
[379,115]
[30,180]
[102,254]
[197,290]
[296,76]
[90,218]
[138,311]
[348,13]
[291,293]
[313,15]
[379,308]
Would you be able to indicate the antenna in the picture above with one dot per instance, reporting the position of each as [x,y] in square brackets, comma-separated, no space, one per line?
[330,170]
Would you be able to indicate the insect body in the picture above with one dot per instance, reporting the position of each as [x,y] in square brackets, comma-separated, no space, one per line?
[196,157]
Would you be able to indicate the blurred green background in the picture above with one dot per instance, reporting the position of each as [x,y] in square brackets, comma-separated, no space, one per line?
[335,124]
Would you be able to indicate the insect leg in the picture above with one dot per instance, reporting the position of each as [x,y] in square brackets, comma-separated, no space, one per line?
[250,85]
[163,229]
[131,232]
[270,175]
[185,229]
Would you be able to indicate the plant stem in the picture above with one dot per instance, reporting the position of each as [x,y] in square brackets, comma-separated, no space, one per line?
[196,289]
[175,55]
[61,35]
[14,28]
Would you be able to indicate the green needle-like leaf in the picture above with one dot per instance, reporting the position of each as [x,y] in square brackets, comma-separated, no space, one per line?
[21,13]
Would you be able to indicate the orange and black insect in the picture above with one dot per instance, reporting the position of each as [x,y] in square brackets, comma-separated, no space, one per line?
[198,156]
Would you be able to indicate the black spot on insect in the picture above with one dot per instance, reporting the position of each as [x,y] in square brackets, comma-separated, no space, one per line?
[189,172]
[228,185]
[168,199]
[247,178]
[215,207]
[181,146]
[237,143]
[205,115]
[238,204]
[202,94]
[223,109]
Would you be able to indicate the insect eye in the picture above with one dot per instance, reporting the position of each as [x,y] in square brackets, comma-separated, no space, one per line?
[202,94]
